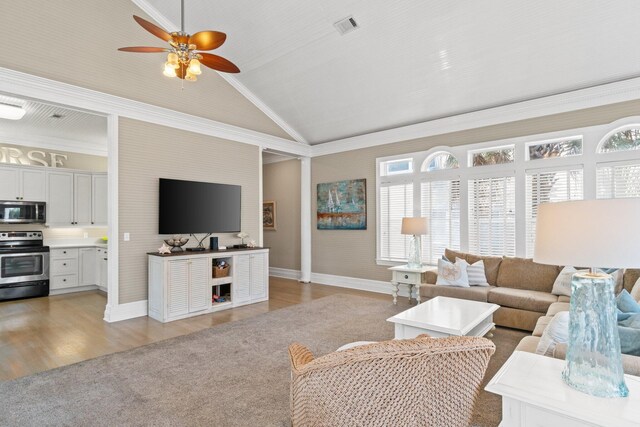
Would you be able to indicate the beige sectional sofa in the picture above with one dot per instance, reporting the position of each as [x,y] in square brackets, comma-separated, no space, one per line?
[521,287]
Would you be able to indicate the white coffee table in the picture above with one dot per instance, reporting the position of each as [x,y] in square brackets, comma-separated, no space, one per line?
[444,317]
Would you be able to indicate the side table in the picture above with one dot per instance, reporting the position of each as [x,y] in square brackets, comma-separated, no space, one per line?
[412,277]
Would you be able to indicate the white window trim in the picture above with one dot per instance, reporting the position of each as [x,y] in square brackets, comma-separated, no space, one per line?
[592,138]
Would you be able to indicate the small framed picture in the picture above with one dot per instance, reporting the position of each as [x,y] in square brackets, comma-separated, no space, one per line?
[269,215]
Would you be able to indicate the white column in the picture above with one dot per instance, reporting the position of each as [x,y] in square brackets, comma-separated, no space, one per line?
[305,219]
[113,290]
[260,197]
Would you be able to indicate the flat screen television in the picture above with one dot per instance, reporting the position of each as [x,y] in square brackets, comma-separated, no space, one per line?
[189,207]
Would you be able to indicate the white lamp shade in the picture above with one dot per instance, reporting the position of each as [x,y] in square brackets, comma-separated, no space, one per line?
[589,233]
[415,226]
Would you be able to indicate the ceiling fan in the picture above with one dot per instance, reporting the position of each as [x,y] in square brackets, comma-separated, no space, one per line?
[185,51]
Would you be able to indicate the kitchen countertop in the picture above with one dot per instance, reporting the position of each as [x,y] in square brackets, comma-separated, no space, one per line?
[75,243]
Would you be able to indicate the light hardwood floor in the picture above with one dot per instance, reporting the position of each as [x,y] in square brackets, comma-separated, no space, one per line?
[44,333]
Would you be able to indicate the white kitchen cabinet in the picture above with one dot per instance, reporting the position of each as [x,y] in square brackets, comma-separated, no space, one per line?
[99,199]
[60,200]
[33,184]
[9,178]
[82,184]
[87,267]
[101,268]
[28,184]
[181,285]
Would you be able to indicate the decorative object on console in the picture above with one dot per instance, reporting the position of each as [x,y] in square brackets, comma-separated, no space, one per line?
[591,232]
[252,244]
[200,246]
[213,243]
[164,249]
[176,243]
[342,205]
[269,215]
[415,227]
[242,236]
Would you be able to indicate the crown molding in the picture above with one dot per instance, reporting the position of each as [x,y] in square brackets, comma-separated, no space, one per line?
[166,23]
[53,143]
[596,96]
[22,84]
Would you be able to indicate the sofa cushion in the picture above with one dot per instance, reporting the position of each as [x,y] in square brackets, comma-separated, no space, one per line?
[541,325]
[564,298]
[522,299]
[516,318]
[557,307]
[631,276]
[523,273]
[474,293]
[528,344]
[491,263]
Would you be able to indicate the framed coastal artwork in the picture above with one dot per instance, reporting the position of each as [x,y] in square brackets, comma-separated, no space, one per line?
[342,205]
[269,215]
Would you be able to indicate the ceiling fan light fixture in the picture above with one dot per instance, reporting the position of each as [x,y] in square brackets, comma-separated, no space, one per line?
[11,112]
[190,77]
[172,59]
[169,70]
[194,67]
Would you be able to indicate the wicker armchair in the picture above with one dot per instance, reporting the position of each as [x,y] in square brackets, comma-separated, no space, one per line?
[418,382]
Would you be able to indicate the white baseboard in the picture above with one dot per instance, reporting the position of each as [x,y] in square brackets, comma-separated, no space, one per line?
[357,283]
[125,311]
[285,273]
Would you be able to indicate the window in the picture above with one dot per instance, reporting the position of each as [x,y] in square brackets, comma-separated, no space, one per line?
[440,203]
[492,156]
[396,202]
[396,167]
[550,149]
[618,180]
[440,161]
[623,140]
[492,218]
[549,186]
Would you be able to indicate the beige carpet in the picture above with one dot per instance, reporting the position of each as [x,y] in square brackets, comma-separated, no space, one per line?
[236,374]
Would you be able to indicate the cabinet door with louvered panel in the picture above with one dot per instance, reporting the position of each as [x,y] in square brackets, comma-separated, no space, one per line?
[258,277]
[178,288]
[241,287]
[199,286]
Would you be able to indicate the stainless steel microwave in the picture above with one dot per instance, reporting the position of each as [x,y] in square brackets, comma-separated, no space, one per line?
[12,212]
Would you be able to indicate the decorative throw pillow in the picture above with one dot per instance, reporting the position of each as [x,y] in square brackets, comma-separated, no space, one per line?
[635,291]
[618,278]
[450,274]
[562,285]
[475,272]
[557,332]
[626,303]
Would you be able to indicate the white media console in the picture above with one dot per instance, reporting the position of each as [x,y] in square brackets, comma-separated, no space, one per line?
[182,285]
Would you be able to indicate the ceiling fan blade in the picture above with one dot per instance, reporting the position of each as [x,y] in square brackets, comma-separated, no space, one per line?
[218,63]
[208,40]
[143,49]
[153,29]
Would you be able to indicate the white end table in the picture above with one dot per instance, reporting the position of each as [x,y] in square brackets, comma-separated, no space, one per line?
[445,317]
[533,394]
[412,277]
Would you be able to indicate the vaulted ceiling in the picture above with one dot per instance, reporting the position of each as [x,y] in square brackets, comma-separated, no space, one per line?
[411,60]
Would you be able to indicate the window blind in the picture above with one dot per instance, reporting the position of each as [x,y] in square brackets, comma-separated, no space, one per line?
[548,186]
[492,219]
[615,181]
[396,202]
[440,203]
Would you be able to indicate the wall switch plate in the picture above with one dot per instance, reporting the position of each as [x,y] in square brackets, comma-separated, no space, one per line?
[127,237]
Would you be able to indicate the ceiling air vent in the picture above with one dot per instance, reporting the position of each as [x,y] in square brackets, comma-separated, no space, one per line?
[346,25]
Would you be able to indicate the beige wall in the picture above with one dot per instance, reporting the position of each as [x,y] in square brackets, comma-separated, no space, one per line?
[85,162]
[352,253]
[77,40]
[281,183]
[148,152]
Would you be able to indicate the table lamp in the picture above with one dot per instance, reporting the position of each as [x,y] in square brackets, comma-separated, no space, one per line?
[591,233]
[415,227]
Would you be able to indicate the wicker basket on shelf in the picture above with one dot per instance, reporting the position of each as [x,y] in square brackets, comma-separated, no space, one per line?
[221,271]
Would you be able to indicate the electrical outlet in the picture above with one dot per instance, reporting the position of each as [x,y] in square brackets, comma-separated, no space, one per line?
[86,235]
[127,237]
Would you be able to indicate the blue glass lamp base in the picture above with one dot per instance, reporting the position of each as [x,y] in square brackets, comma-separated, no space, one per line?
[415,252]
[594,362]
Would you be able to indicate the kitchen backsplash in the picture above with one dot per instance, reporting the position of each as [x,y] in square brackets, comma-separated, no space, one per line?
[58,233]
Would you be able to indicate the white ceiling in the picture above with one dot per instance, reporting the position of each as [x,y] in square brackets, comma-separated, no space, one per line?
[413,60]
[75,131]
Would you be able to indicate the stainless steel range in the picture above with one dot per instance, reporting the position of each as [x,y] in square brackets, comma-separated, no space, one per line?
[24,265]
